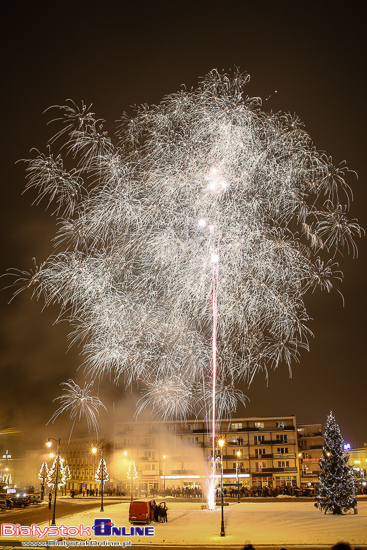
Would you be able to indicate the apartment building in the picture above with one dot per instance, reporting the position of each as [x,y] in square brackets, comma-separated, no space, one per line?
[358,461]
[83,462]
[310,443]
[169,455]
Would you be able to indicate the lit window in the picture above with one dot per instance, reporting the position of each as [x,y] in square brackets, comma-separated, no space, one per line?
[281,424]
[236,426]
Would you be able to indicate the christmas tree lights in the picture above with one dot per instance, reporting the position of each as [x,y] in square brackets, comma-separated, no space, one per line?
[102,474]
[56,473]
[132,472]
[336,491]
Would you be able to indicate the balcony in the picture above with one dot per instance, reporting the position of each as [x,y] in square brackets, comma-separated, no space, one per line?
[232,471]
[265,429]
[237,443]
[182,473]
[273,470]
[261,456]
[273,442]
[284,455]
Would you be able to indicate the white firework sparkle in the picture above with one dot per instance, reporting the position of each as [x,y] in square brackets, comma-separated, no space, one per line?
[140,227]
[79,403]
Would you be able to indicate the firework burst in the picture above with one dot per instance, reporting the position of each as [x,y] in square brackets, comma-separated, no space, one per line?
[79,403]
[142,221]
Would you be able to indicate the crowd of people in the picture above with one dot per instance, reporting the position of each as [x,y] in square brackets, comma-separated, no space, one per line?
[232,492]
[160,512]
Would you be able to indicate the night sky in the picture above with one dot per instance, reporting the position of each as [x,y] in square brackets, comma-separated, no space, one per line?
[115,54]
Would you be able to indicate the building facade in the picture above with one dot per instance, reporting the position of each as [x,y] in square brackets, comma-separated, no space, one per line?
[83,456]
[310,443]
[169,456]
[358,461]
[172,456]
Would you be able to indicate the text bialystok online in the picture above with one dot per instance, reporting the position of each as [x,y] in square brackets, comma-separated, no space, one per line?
[101,527]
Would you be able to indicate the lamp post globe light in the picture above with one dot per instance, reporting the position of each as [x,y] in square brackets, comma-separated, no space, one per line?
[221,445]
[49,443]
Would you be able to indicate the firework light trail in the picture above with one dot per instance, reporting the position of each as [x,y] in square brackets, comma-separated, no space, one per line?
[132,269]
[79,403]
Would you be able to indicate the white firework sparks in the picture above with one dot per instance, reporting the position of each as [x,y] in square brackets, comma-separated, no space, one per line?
[141,227]
[79,403]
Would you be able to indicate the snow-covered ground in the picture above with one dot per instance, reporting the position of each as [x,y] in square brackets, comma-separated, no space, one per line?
[279,523]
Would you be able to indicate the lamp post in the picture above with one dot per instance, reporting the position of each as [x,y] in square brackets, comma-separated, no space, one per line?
[221,444]
[101,465]
[42,475]
[57,474]
[102,510]
[124,484]
[132,475]
[238,483]
[164,475]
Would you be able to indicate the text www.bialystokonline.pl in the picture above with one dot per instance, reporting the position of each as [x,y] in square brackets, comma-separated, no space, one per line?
[68,543]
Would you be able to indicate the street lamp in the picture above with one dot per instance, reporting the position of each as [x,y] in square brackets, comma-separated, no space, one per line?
[164,475]
[221,444]
[49,443]
[238,483]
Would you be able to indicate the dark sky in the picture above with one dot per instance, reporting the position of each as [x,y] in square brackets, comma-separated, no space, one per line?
[115,54]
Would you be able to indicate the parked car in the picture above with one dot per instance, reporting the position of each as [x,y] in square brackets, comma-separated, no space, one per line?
[6,503]
[141,512]
[34,499]
[20,502]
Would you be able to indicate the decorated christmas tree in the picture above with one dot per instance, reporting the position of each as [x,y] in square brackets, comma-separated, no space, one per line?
[56,473]
[336,482]
[102,472]
[132,471]
[8,480]
[132,474]
[42,475]
[67,474]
